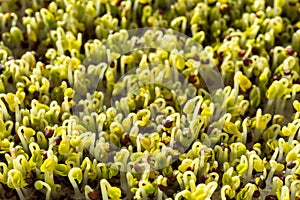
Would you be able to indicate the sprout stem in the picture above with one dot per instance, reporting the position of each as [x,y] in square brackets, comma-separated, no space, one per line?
[20,194]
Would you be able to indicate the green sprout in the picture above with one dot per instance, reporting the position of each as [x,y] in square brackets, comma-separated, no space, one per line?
[40,184]
[75,174]
[109,191]
[16,180]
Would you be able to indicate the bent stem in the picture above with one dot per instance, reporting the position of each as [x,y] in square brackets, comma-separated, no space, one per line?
[3,108]
[39,185]
[104,185]
[75,173]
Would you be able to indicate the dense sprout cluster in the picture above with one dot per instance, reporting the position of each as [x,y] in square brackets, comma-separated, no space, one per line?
[71,128]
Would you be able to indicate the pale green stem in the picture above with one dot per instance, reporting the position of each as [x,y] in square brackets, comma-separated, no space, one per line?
[281,143]
[275,154]
[75,186]
[250,165]
[104,185]
[86,171]
[49,178]
[294,188]
[223,191]
[48,193]
[211,187]
[179,180]
[23,140]
[271,173]
[4,109]
[285,192]
[138,143]
[20,194]
[269,105]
